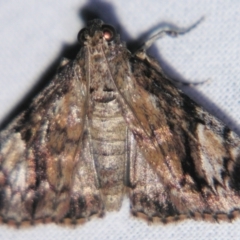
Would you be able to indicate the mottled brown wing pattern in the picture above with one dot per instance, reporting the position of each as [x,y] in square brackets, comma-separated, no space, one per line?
[186,161]
[37,153]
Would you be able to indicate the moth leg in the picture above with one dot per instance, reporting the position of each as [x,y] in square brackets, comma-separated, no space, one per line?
[63,63]
[189,84]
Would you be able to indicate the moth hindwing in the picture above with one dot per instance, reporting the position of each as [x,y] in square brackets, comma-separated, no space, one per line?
[110,121]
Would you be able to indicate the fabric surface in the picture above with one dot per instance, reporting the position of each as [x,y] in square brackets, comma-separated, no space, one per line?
[35,36]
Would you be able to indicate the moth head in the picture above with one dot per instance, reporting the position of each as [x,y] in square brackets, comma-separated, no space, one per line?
[96,31]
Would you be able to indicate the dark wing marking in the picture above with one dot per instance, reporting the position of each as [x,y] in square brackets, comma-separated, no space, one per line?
[192,159]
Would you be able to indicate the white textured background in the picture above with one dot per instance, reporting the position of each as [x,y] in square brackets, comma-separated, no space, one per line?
[33,35]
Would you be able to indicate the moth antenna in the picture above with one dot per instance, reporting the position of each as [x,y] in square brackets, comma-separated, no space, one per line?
[172,31]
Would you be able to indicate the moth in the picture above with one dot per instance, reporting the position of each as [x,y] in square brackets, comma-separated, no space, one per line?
[111,123]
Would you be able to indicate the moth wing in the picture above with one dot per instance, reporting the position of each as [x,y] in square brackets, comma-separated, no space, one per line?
[39,151]
[185,161]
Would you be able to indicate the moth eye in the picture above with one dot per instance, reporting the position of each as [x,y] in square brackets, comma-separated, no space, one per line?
[108,32]
[82,35]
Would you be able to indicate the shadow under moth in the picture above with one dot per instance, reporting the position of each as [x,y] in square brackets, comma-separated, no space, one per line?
[111,123]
